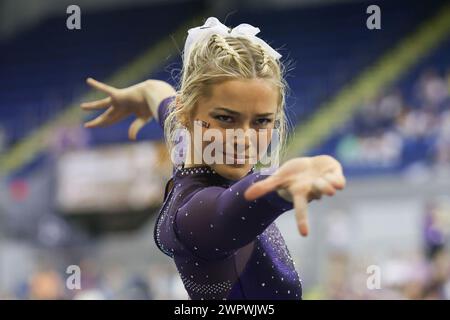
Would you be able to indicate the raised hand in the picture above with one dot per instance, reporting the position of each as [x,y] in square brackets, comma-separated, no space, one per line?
[119,104]
[301,180]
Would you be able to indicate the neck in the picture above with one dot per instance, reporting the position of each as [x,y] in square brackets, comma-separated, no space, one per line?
[189,162]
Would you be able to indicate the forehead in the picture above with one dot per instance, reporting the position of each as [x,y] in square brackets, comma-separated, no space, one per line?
[243,95]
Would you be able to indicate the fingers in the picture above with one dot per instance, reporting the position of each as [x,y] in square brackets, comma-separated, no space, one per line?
[323,186]
[137,125]
[314,194]
[96,105]
[331,170]
[336,179]
[263,187]
[301,213]
[106,118]
[100,86]
[328,185]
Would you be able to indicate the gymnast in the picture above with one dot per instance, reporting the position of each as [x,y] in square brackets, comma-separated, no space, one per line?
[217,221]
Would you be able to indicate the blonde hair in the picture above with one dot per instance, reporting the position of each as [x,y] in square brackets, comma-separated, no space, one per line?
[219,59]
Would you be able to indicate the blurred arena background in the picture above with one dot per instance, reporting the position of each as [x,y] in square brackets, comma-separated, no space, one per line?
[377,100]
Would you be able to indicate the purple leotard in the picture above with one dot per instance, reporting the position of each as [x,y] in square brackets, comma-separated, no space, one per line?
[224,246]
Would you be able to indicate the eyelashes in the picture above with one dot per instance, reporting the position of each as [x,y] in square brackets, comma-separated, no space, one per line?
[229,120]
[264,121]
[224,119]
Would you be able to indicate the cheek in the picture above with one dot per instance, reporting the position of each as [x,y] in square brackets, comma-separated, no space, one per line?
[263,139]
[191,115]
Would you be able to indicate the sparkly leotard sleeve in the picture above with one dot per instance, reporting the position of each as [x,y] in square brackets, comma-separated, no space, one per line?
[224,246]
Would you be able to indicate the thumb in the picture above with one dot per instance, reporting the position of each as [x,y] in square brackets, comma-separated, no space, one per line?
[135,126]
[263,187]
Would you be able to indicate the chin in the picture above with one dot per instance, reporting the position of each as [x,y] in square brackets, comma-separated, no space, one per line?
[232,171]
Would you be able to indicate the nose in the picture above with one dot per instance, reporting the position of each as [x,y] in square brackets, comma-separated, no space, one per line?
[242,139]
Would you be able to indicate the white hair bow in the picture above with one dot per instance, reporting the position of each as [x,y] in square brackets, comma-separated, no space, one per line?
[214,26]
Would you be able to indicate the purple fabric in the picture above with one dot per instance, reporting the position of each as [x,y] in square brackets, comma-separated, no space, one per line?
[163,110]
[224,246]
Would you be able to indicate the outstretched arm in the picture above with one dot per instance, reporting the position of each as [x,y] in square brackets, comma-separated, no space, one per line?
[299,180]
[217,221]
[141,100]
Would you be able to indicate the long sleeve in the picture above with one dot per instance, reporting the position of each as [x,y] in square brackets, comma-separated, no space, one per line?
[215,221]
[162,112]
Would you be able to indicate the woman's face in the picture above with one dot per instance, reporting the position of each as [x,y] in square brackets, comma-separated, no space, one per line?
[247,104]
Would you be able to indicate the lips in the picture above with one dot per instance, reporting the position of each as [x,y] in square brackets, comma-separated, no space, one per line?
[237,157]
[244,156]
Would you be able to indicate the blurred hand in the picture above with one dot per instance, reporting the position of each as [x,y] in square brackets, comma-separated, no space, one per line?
[301,180]
[119,104]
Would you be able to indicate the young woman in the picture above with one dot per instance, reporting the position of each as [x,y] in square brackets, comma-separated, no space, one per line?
[217,219]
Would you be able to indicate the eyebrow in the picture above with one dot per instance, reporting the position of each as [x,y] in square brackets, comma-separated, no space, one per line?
[238,113]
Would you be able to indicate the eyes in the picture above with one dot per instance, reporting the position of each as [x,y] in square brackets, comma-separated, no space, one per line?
[264,121]
[224,119]
[259,122]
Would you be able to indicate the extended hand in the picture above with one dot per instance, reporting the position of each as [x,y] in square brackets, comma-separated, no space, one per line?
[120,104]
[301,180]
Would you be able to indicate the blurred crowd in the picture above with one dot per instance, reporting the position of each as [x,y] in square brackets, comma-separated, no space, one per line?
[114,282]
[398,129]
[423,273]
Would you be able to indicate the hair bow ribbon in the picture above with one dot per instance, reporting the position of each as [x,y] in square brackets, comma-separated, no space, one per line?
[214,26]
